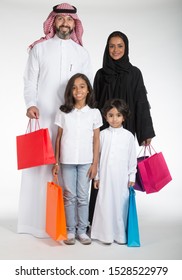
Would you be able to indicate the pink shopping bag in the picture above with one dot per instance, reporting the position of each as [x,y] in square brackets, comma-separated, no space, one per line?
[154,173]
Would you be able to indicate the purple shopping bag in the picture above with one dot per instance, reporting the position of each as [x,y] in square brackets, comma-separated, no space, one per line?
[138,182]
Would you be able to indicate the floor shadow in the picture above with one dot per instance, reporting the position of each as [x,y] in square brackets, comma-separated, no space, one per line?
[10,224]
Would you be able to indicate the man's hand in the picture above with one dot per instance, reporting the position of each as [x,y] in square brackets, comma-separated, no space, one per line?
[33,112]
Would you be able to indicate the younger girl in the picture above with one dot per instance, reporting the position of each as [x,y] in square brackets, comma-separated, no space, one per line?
[117,170]
[77,149]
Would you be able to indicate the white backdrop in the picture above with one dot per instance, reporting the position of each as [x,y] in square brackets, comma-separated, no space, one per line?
[154,31]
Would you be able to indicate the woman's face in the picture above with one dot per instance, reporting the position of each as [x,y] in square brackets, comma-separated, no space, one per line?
[116,48]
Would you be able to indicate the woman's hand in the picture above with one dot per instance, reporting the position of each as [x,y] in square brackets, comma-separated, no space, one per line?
[147,142]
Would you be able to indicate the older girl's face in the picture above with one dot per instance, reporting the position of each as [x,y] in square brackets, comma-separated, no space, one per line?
[116,48]
[80,91]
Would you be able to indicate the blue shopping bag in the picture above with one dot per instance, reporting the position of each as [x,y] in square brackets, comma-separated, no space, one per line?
[133,236]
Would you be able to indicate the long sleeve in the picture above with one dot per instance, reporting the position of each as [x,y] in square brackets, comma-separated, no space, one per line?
[31,79]
[97,177]
[132,161]
[100,96]
[143,120]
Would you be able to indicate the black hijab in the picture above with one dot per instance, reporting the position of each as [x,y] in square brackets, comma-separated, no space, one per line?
[116,72]
[115,79]
[120,79]
[112,66]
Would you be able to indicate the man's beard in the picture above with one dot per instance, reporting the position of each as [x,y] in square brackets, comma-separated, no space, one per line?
[62,34]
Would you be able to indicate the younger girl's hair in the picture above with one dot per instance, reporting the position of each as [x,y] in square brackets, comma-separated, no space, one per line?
[68,95]
[119,104]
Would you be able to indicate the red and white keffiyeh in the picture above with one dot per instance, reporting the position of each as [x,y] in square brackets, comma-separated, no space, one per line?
[48,27]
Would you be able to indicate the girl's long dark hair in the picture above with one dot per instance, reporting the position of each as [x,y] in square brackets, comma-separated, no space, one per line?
[69,104]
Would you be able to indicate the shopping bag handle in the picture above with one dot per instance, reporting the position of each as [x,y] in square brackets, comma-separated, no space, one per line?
[145,149]
[56,180]
[29,126]
[152,148]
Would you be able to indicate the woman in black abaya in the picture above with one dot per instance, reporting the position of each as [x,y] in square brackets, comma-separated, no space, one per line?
[118,78]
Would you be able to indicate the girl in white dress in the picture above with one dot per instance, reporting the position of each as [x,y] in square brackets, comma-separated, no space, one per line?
[77,151]
[117,169]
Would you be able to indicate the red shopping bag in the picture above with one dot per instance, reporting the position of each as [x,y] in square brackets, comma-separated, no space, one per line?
[55,212]
[154,173]
[34,148]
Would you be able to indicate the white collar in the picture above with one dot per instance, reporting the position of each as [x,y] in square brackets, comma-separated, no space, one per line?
[61,40]
[83,109]
[115,130]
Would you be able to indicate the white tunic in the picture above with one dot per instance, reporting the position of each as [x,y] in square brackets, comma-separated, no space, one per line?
[77,138]
[117,168]
[50,65]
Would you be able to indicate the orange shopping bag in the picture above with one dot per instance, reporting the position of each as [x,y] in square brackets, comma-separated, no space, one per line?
[55,212]
[34,148]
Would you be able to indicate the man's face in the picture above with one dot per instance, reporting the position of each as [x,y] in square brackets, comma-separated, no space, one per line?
[64,26]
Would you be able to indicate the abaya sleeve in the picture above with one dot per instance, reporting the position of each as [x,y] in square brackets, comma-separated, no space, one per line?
[143,120]
[100,94]
[96,86]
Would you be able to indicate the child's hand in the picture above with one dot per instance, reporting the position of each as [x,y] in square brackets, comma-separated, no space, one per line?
[96,184]
[92,172]
[55,170]
[131,184]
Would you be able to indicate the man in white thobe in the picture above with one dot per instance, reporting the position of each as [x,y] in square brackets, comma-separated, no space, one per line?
[52,61]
